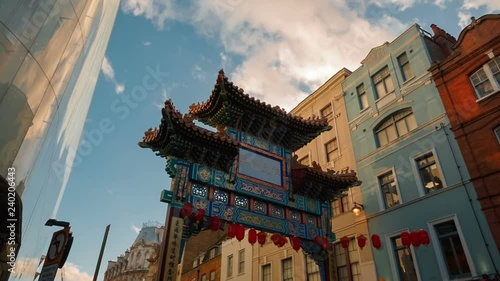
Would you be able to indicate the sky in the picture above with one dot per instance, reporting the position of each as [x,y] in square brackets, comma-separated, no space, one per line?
[278,51]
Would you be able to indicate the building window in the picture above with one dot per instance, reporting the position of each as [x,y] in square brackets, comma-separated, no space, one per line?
[266,272]
[347,262]
[404,260]
[383,82]
[203,277]
[287,268]
[331,149]
[304,160]
[341,205]
[362,97]
[230,266]
[404,65]
[429,172]
[486,80]
[212,275]
[497,133]
[327,112]
[395,126]
[389,189]
[452,250]
[241,261]
[312,270]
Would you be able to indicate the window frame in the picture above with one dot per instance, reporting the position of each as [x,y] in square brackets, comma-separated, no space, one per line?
[438,251]
[241,261]
[343,205]
[283,261]
[312,275]
[267,265]
[304,158]
[382,126]
[402,65]
[334,151]
[212,275]
[347,258]
[490,77]
[496,131]
[229,271]
[392,259]
[382,205]
[361,91]
[418,176]
[329,115]
[383,78]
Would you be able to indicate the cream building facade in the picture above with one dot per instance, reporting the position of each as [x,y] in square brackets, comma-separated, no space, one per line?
[140,263]
[333,150]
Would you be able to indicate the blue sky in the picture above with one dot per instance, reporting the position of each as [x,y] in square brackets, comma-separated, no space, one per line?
[278,51]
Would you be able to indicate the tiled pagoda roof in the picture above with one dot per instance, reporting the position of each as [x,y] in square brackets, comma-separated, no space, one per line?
[315,183]
[179,137]
[229,106]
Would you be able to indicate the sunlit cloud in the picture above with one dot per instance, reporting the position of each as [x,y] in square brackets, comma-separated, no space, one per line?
[146,43]
[109,74]
[135,228]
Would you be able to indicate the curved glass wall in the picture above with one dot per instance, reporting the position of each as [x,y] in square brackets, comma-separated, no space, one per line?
[50,57]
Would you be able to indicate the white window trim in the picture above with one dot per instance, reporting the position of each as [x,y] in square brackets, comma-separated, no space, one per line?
[496,131]
[416,172]
[492,80]
[381,200]
[392,259]
[439,252]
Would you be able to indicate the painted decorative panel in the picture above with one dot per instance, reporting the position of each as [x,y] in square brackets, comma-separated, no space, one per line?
[278,212]
[241,201]
[260,207]
[260,167]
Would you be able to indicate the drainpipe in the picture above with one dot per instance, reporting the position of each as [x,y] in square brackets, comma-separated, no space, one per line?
[442,127]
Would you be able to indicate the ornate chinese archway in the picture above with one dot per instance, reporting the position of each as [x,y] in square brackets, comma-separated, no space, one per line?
[244,173]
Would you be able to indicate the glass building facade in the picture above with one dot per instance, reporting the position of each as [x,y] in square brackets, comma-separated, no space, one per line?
[51,53]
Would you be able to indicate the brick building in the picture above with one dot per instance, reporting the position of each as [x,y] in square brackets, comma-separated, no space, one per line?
[468,81]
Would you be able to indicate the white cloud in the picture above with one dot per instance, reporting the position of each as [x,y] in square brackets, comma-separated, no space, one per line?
[463,18]
[441,3]
[72,273]
[402,4]
[198,73]
[135,228]
[491,5]
[146,43]
[109,74]
[107,69]
[300,49]
[224,59]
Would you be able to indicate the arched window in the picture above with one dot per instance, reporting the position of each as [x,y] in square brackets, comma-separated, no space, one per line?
[394,126]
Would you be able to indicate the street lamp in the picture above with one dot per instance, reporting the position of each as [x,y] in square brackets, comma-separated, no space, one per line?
[357,208]
[52,222]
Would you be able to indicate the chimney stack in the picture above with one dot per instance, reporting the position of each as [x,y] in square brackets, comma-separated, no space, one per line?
[443,39]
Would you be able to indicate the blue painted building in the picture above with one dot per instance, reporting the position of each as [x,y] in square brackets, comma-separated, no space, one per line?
[414,177]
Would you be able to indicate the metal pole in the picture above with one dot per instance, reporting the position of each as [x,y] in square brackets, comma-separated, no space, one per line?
[102,252]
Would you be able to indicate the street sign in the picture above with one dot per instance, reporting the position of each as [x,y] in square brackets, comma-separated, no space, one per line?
[54,254]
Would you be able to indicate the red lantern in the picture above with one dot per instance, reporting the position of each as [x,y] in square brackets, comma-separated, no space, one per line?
[281,241]
[252,236]
[361,241]
[231,233]
[295,241]
[240,232]
[261,237]
[345,242]
[376,241]
[424,237]
[405,238]
[187,209]
[214,223]
[275,239]
[200,215]
[415,238]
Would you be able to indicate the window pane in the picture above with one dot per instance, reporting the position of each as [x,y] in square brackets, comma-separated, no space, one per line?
[411,122]
[453,252]
[287,269]
[230,266]
[266,272]
[405,264]
[327,112]
[389,85]
[382,138]
[380,89]
[402,128]
[391,133]
[363,101]
[241,267]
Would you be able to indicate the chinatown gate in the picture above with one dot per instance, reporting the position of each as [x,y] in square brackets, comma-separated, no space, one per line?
[243,175]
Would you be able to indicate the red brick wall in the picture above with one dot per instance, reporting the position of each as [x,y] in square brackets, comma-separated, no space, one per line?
[473,121]
[205,268]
